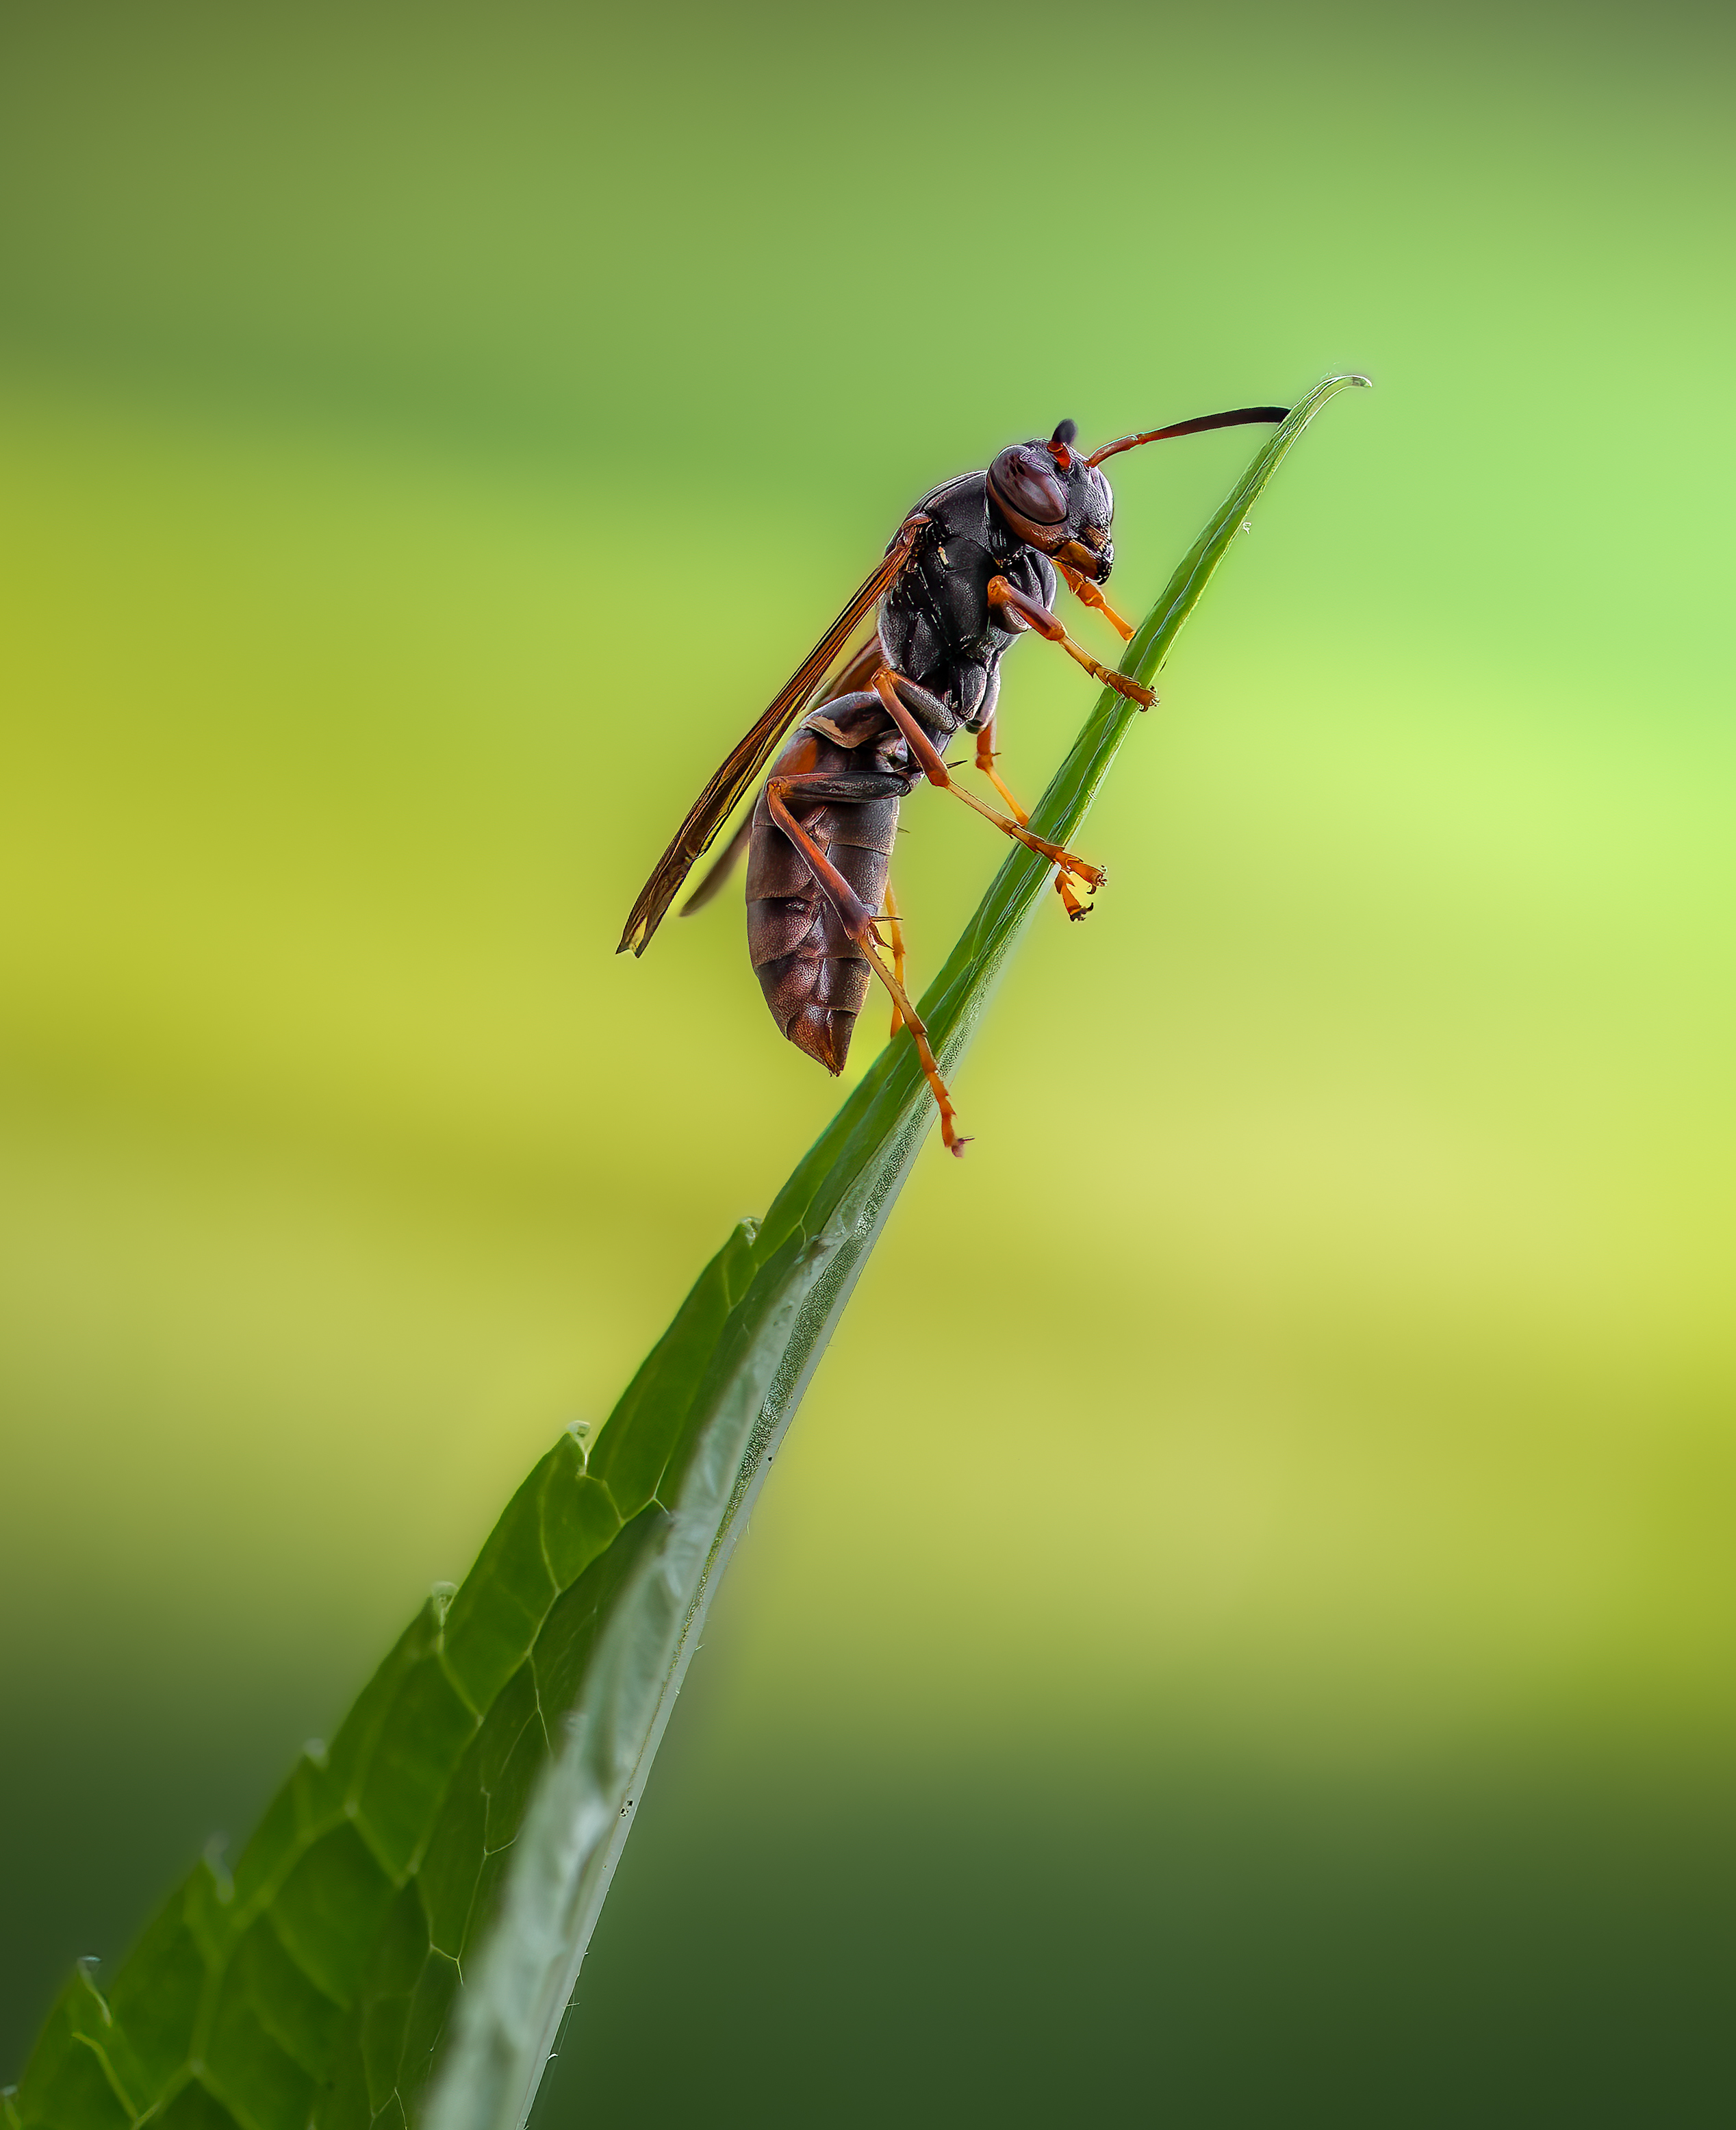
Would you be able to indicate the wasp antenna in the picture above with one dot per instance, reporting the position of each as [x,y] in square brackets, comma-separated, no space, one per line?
[1234,419]
[1064,432]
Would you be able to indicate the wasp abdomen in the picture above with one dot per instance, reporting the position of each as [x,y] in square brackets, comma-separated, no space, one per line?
[813,975]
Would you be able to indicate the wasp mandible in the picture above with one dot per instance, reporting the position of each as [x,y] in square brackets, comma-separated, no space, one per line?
[971,569]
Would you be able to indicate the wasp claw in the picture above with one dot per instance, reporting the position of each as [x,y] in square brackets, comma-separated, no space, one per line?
[955,1147]
[1070,901]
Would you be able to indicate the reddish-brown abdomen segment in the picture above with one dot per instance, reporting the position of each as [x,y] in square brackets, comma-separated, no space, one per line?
[813,975]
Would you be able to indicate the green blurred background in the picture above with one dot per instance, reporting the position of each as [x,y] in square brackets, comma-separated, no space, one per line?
[1243,1630]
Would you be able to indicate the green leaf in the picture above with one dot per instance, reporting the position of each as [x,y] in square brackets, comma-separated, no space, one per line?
[404,1930]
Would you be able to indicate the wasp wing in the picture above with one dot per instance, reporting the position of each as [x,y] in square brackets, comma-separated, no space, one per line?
[752,752]
[722,866]
[854,669]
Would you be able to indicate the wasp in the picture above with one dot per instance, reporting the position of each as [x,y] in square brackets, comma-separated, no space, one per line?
[972,568]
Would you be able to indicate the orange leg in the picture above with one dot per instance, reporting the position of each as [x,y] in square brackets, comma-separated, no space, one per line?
[986,752]
[985,763]
[1087,593]
[886,687]
[858,921]
[897,941]
[1024,612]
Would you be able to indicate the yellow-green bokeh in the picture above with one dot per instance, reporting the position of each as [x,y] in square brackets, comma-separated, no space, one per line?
[427,435]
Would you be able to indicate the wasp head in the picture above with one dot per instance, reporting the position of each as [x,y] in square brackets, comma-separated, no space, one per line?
[1053,498]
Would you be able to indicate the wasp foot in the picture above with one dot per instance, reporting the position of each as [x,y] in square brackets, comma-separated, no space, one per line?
[1076,910]
[1089,878]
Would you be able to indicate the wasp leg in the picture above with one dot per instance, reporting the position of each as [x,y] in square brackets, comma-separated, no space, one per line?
[986,761]
[1024,612]
[906,704]
[985,752]
[896,932]
[1087,593]
[858,920]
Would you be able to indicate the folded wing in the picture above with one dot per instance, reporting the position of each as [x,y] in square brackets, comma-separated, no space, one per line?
[752,752]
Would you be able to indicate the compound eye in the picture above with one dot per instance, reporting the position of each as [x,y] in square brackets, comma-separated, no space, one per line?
[1022,481]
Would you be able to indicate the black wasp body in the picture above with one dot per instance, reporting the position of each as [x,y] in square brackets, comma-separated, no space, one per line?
[973,567]
[935,623]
